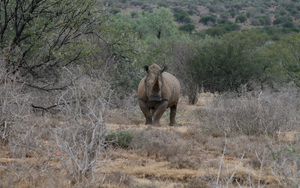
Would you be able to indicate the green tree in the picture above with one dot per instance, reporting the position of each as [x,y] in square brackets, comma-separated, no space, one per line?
[187,27]
[114,11]
[122,42]
[277,21]
[217,31]
[206,19]
[240,18]
[159,23]
[39,37]
[224,15]
[288,25]
[225,63]
[286,53]
[232,13]
[162,4]
[182,17]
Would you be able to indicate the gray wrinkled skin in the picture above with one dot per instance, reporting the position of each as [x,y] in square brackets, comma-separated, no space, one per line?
[157,91]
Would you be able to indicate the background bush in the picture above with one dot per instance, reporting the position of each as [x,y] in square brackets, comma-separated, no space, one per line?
[226,71]
[254,112]
[206,19]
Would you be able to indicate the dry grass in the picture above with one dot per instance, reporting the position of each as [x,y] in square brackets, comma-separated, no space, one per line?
[256,112]
[188,155]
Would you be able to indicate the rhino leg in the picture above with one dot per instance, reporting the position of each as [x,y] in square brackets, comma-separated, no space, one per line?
[173,115]
[160,108]
[146,111]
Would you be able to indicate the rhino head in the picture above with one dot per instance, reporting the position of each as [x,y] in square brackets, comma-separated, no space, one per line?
[154,82]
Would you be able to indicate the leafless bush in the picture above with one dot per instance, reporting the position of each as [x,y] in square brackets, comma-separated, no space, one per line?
[14,109]
[118,178]
[252,113]
[144,186]
[285,162]
[160,143]
[76,136]
[181,51]
[196,183]
[80,137]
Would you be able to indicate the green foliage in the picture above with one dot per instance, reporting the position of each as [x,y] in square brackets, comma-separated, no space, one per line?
[147,8]
[227,62]
[233,26]
[122,138]
[39,38]
[277,21]
[286,52]
[224,26]
[136,3]
[288,25]
[261,20]
[134,14]
[216,9]
[222,21]
[292,11]
[182,17]
[285,18]
[177,10]
[187,27]
[254,12]
[217,31]
[162,4]
[232,13]
[124,45]
[191,12]
[159,23]
[237,7]
[240,18]
[208,19]
[224,15]
[272,31]
[114,11]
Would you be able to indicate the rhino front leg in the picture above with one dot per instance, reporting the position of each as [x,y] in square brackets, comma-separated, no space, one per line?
[146,111]
[160,108]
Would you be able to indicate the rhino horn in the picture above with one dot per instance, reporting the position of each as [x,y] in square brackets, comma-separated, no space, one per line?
[156,86]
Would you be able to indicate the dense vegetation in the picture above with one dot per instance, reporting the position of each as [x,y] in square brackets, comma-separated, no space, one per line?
[79,60]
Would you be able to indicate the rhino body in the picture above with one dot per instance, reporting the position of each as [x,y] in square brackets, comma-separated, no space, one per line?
[157,91]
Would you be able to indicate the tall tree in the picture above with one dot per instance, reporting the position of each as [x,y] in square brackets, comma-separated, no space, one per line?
[227,62]
[286,53]
[160,22]
[39,37]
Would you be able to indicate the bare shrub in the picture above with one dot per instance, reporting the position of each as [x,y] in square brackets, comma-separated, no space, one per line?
[181,51]
[183,162]
[252,113]
[14,108]
[80,137]
[75,137]
[119,179]
[164,144]
[196,183]
[285,162]
[143,186]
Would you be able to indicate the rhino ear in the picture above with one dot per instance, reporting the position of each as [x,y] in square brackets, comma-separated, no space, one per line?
[165,68]
[146,68]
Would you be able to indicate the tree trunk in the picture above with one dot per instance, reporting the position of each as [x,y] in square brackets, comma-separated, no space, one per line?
[193,94]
